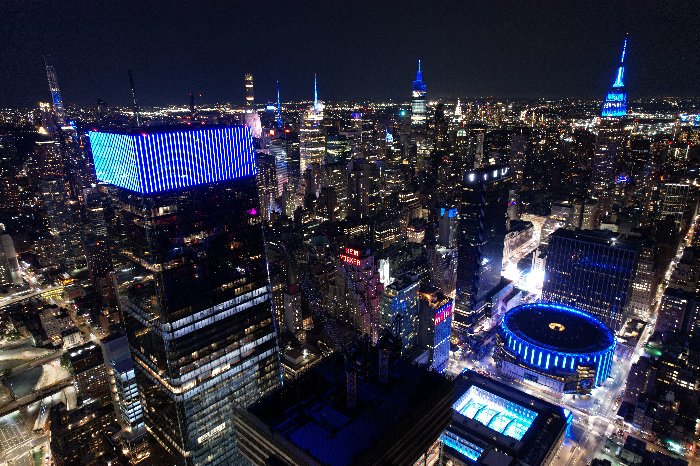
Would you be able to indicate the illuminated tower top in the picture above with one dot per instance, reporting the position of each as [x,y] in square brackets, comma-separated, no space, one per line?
[315,113]
[249,96]
[58,109]
[315,92]
[615,104]
[418,85]
[279,108]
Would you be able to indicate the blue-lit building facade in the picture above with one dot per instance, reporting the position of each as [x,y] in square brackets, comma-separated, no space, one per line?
[615,104]
[556,346]
[493,423]
[481,231]
[591,270]
[195,294]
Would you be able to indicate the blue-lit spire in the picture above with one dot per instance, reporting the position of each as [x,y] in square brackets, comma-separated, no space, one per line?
[418,83]
[279,108]
[615,104]
[315,92]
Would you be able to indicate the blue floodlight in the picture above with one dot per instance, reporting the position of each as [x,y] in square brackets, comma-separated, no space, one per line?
[153,162]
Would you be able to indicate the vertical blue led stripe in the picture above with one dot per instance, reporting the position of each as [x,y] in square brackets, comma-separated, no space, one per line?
[547,363]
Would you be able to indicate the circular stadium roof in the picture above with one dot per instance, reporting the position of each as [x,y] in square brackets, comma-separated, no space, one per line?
[559,328]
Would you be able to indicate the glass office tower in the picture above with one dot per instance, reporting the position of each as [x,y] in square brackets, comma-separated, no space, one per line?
[481,232]
[591,270]
[195,296]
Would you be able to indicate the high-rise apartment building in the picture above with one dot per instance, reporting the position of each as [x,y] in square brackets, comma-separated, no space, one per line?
[591,270]
[480,235]
[251,117]
[9,265]
[673,200]
[63,223]
[197,304]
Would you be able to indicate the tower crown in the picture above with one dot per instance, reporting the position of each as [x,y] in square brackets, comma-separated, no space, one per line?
[418,85]
[615,104]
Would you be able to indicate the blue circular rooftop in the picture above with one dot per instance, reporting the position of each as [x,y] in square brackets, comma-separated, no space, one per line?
[559,328]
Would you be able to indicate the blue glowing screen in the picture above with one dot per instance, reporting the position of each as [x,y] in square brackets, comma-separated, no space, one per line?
[495,412]
[162,161]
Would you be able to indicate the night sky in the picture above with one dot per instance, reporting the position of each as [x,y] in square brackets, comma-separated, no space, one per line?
[360,50]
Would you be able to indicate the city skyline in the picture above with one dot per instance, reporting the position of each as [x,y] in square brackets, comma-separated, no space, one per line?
[365,265]
[475,50]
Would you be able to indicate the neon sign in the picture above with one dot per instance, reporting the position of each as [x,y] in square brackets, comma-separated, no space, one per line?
[443,313]
[350,260]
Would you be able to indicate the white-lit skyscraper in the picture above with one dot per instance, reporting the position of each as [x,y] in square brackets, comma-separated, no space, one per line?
[312,142]
[418,105]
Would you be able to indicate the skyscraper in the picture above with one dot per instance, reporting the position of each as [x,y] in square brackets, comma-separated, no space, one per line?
[400,301]
[197,304]
[249,93]
[252,119]
[58,110]
[278,115]
[312,143]
[480,235]
[610,141]
[435,322]
[591,270]
[9,265]
[418,107]
[63,223]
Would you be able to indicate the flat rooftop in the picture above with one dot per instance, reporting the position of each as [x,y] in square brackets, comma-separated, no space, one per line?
[312,413]
[491,416]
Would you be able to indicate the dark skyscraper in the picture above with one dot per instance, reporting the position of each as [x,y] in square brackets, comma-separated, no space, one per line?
[58,110]
[197,304]
[480,235]
[591,270]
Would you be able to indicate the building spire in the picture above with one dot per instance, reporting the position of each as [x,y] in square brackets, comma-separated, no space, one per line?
[619,77]
[315,92]
[624,50]
[279,107]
